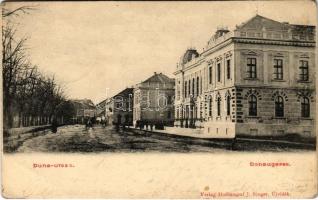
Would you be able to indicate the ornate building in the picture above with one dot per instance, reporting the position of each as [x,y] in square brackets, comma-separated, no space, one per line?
[153,100]
[256,80]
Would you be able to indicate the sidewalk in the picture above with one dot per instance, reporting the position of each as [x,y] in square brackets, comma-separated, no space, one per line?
[22,130]
[198,133]
[188,132]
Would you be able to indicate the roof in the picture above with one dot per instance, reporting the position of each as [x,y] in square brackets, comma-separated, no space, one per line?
[189,55]
[259,22]
[125,92]
[159,78]
[83,103]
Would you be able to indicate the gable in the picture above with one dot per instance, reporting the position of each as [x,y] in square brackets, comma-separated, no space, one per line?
[262,23]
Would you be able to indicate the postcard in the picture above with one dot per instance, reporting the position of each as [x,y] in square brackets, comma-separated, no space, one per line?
[167,99]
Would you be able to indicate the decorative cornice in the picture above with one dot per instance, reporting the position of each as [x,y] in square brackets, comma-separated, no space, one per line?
[274,42]
[250,41]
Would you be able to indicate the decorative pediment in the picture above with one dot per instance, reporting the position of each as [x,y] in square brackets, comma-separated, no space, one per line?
[210,62]
[228,54]
[217,96]
[218,59]
[304,55]
[278,54]
[227,94]
[252,53]
[249,53]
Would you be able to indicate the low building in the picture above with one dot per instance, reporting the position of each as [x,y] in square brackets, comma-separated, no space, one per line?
[153,100]
[119,108]
[84,109]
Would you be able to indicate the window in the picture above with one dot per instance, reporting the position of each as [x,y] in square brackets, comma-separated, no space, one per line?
[169,99]
[127,106]
[219,72]
[228,105]
[250,34]
[279,107]
[303,75]
[193,81]
[251,68]
[169,114]
[228,69]
[118,105]
[219,106]
[198,86]
[252,106]
[305,107]
[210,106]
[189,88]
[210,75]
[278,69]
[185,89]
[201,86]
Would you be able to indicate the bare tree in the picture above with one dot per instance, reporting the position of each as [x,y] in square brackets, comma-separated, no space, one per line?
[17,11]
[25,89]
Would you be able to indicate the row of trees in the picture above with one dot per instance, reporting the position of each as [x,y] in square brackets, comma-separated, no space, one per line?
[28,95]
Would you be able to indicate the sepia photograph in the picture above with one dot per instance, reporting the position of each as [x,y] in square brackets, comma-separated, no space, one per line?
[217,98]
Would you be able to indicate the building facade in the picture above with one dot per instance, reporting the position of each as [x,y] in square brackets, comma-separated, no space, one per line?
[84,109]
[153,100]
[258,79]
[119,108]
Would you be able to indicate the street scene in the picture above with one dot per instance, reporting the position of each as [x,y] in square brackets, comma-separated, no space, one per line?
[246,85]
[76,138]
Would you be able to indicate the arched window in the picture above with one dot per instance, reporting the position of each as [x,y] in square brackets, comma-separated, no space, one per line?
[228,105]
[193,81]
[185,89]
[210,74]
[201,86]
[210,106]
[218,72]
[252,106]
[279,107]
[189,88]
[198,86]
[305,107]
[219,106]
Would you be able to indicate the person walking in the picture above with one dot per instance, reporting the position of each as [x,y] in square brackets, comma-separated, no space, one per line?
[54,125]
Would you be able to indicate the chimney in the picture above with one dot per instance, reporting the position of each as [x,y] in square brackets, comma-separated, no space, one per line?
[193,56]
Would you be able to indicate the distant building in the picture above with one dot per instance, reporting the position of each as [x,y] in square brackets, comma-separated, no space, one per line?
[100,111]
[256,80]
[84,109]
[109,111]
[119,108]
[153,100]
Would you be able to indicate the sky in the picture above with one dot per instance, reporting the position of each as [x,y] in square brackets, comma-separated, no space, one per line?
[97,49]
